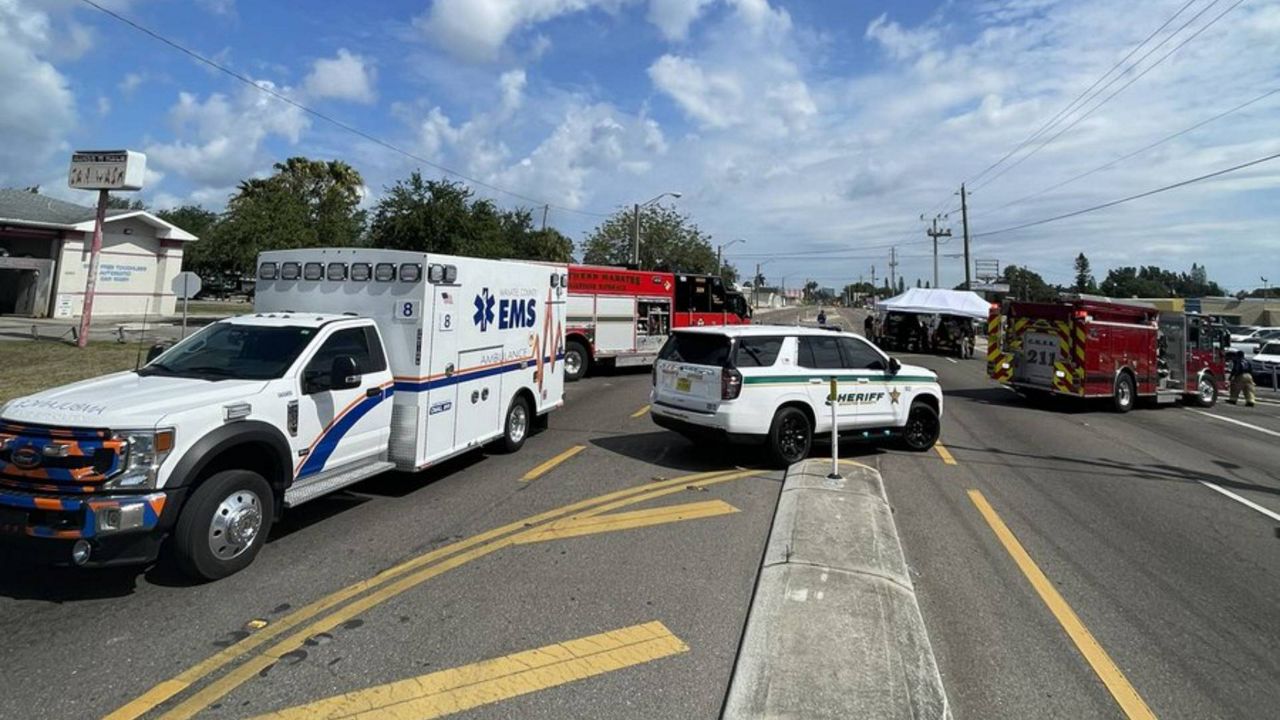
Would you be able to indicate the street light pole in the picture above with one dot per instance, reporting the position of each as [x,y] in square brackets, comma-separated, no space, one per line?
[635,227]
[720,252]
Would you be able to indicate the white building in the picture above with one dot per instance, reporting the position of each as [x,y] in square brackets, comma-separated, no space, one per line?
[44,259]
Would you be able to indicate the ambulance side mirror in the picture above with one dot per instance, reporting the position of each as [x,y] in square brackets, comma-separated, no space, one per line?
[344,374]
[894,366]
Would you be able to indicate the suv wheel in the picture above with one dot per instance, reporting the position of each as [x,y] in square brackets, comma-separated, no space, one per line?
[223,525]
[790,437]
[922,429]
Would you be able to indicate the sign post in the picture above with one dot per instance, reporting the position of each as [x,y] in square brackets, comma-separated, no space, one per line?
[186,285]
[102,170]
[832,400]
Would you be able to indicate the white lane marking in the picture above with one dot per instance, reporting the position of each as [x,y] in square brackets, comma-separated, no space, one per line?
[1243,501]
[1241,423]
[951,360]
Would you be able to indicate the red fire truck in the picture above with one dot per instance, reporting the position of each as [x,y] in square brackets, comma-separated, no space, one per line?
[622,317]
[1087,348]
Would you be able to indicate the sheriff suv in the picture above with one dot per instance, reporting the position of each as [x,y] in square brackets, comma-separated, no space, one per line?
[770,385]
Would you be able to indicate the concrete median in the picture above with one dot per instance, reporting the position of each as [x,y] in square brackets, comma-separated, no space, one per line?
[834,629]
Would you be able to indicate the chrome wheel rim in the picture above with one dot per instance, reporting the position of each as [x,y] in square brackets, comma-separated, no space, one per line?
[572,362]
[237,521]
[519,423]
[1122,394]
[1206,389]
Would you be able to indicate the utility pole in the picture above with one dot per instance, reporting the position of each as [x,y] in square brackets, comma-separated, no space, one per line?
[893,268]
[874,287]
[964,216]
[545,208]
[635,232]
[935,233]
[755,287]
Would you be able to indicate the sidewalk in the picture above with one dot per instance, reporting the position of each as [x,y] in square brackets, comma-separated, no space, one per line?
[103,328]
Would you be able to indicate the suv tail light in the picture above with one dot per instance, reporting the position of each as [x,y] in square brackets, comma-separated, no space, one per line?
[730,384]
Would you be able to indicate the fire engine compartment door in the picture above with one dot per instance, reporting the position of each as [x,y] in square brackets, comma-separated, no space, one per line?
[653,324]
[1172,349]
[615,324]
[1039,353]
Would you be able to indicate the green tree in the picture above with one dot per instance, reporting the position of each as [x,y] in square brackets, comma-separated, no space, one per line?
[1152,281]
[198,256]
[1025,284]
[1084,276]
[306,203]
[123,202]
[902,285]
[668,241]
[810,290]
[729,274]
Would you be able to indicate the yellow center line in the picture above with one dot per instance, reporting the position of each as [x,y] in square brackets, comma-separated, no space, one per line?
[641,412]
[450,691]
[578,525]
[549,465]
[1117,684]
[244,672]
[168,689]
[944,453]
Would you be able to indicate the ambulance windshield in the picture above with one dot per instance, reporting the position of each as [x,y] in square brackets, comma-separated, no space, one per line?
[225,351]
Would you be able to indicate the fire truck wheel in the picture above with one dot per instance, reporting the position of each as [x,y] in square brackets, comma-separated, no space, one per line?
[223,525]
[1124,394]
[922,429]
[1207,391]
[576,361]
[789,437]
[519,420]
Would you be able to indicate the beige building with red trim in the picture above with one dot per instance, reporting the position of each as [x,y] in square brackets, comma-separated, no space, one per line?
[44,259]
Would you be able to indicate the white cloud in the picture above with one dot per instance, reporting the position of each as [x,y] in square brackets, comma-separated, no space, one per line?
[37,107]
[346,76]
[227,135]
[219,7]
[476,30]
[673,17]
[512,83]
[130,82]
[713,99]
[899,43]
[104,105]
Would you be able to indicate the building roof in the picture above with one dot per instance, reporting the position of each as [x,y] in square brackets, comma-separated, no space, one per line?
[22,207]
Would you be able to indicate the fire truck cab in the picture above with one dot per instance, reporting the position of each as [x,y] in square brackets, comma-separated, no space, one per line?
[622,317]
[1088,348]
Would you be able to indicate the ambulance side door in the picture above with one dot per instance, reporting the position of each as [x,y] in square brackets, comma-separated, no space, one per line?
[440,342]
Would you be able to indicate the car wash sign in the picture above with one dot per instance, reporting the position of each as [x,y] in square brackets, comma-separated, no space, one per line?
[507,309]
[107,170]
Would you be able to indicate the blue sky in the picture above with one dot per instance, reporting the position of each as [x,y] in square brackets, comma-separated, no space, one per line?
[818,130]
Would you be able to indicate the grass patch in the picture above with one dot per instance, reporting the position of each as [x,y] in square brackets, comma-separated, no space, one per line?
[27,366]
[214,307]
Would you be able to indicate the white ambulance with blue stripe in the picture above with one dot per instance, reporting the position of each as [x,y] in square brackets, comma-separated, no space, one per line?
[355,362]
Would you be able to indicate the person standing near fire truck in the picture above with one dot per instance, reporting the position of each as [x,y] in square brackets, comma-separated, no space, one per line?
[1241,378]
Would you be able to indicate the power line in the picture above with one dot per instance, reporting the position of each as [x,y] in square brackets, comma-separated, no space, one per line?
[322,116]
[1064,111]
[1139,151]
[1148,193]
[1121,89]
[811,253]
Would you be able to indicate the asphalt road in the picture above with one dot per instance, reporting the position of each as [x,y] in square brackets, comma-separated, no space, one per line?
[616,583]
[1178,584]
[80,645]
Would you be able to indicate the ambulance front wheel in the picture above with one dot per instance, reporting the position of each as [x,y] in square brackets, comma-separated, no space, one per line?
[519,421]
[576,361]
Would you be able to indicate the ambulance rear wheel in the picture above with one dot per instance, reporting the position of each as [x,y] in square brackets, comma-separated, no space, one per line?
[790,437]
[519,421]
[1124,393]
[576,361]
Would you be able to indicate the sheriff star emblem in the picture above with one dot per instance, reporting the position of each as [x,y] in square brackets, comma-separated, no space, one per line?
[894,395]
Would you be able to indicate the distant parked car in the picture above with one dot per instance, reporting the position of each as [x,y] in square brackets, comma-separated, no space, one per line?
[1266,363]
[1241,332]
[1257,339]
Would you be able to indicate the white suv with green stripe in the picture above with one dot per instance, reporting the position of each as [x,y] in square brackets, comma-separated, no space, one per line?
[769,385]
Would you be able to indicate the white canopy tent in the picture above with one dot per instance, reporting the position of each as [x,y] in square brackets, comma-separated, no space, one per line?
[931,301]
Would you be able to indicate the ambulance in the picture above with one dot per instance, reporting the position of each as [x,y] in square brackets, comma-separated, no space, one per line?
[355,362]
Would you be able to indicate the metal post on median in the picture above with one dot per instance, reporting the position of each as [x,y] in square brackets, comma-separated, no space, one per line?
[835,432]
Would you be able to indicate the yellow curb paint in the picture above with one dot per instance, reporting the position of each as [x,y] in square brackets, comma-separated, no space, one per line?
[944,453]
[251,667]
[550,465]
[451,691]
[575,526]
[1117,684]
[641,412]
[170,688]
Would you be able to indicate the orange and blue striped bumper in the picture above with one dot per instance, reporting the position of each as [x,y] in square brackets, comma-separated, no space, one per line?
[48,516]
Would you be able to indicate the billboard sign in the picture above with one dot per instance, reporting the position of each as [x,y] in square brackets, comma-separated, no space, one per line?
[107,170]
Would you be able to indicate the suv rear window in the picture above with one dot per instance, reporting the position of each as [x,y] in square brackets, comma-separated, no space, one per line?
[697,349]
[757,351]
